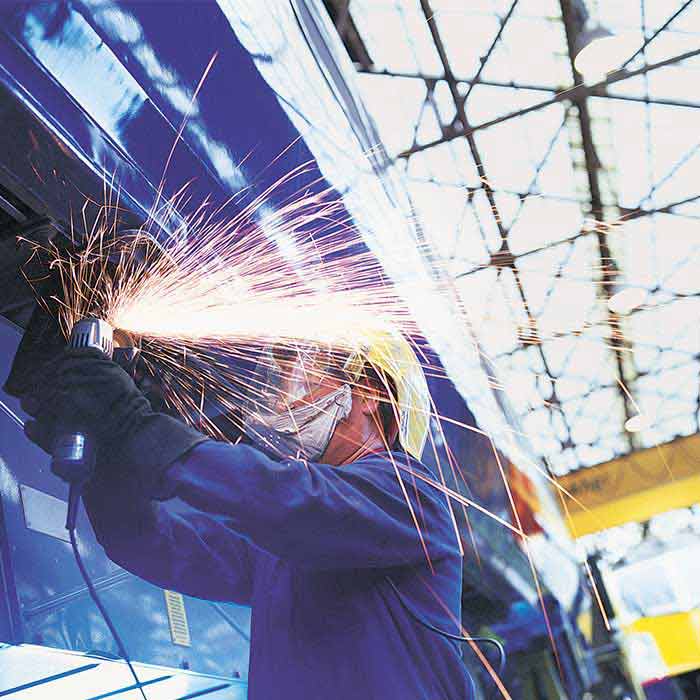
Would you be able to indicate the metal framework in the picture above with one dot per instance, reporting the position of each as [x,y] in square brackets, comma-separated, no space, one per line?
[600,206]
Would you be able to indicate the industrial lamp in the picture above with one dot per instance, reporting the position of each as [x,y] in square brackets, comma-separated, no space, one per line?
[598,52]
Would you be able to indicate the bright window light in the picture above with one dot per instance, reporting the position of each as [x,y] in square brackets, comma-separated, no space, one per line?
[602,52]
[627,300]
[637,423]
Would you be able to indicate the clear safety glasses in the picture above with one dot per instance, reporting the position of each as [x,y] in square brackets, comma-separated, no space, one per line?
[290,376]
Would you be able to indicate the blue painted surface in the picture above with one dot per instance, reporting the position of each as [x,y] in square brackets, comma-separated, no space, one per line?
[89,87]
[663,689]
[54,606]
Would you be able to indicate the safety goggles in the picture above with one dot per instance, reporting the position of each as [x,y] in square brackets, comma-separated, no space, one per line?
[289,376]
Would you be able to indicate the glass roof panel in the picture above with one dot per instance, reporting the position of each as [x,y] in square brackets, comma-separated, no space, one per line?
[395,104]
[547,61]
[396,36]
[466,36]
[577,187]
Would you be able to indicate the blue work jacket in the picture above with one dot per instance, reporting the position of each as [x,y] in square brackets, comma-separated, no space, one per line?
[309,548]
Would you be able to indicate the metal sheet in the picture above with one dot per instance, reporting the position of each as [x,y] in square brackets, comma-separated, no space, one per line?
[44,513]
[52,603]
[35,673]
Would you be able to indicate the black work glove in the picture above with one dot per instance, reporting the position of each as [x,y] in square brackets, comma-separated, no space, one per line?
[83,390]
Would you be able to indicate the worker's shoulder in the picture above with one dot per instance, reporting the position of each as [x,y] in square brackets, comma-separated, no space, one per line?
[400,466]
[397,459]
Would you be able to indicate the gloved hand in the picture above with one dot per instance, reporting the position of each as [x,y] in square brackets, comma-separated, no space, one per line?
[83,390]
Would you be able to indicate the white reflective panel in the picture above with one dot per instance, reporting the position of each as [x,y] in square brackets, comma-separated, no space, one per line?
[556,177]
[519,385]
[446,163]
[597,413]
[671,327]
[687,21]
[453,228]
[542,40]
[636,240]
[585,356]
[475,290]
[544,221]
[631,134]
[499,331]
[466,36]
[396,35]
[668,393]
[618,16]
[590,455]
[565,291]
[537,425]
[395,104]
[569,387]
[428,127]
[675,155]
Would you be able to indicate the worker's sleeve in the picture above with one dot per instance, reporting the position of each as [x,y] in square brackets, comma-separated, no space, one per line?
[371,513]
[170,543]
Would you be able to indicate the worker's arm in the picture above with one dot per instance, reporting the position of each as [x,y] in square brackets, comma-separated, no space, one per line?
[166,543]
[359,515]
[169,543]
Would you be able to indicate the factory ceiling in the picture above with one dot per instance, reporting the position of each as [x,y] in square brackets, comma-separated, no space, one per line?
[565,207]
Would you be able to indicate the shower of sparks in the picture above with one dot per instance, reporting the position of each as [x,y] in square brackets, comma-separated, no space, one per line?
[207,299]
[217,290]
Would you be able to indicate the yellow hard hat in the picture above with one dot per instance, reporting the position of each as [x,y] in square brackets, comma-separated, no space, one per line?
[390,353]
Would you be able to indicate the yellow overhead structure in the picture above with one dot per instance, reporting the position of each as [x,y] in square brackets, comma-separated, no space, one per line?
[634,487]
[677,637]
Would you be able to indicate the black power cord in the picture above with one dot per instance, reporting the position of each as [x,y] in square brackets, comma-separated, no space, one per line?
[73,459]
[74,498]
[448,635]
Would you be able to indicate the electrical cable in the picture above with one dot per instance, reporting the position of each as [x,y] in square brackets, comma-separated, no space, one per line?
[448,635]
[74,498]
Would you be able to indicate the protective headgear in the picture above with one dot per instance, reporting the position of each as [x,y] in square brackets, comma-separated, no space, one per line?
[389,353]
[295,408]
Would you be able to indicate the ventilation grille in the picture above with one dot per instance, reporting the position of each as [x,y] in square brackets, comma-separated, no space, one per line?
[177,617]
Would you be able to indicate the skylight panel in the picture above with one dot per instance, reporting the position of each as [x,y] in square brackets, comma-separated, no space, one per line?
[395,104]
[466,37]
[382,29]
[542,41]
[544,222]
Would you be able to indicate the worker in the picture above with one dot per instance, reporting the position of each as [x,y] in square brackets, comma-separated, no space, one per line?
[326,523]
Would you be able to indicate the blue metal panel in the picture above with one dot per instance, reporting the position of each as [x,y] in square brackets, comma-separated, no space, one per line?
[53,605]
[114,80]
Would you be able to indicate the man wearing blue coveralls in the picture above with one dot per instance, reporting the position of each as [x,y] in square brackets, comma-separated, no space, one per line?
[312,523]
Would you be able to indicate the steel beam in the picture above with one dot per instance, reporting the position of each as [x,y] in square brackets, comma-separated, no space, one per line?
[575,93]
[599,92]
[607,262]
[503,257]
[651,38]
[626,215]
